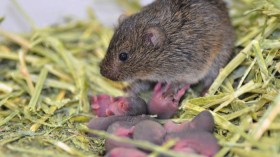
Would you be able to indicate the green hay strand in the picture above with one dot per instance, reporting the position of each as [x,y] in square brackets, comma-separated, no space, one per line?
[48,75]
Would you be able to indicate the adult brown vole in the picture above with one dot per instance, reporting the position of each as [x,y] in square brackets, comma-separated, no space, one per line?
[174,41]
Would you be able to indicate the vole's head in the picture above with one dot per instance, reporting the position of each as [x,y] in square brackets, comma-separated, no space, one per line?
[134,50]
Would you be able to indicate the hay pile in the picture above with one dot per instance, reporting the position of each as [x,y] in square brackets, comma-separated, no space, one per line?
[47,75]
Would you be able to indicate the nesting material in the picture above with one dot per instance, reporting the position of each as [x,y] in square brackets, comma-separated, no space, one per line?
[47,75]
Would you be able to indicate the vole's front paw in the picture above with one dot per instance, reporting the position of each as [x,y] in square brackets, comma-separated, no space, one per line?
[164,101]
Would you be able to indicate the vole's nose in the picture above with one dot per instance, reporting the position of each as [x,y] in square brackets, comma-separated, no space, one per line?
[108,72]
[103,71]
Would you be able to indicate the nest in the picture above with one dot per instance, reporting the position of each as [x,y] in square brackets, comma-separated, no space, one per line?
[47,75]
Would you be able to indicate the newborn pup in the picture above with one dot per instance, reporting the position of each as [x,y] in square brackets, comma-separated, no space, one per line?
[172,127]
[204,121]
[102,123]
[150,131]
[125,152]
[175,41]
[100,104]
[104,105]
[199,141]
[121,129]
[164,106]
[194,136]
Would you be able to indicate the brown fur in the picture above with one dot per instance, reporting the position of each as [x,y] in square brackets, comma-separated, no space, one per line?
[177,41]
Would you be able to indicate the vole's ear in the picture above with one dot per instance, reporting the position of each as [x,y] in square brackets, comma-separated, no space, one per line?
[122,18]
[155,36]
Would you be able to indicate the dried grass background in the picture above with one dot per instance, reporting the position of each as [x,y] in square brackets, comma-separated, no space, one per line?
[47,75]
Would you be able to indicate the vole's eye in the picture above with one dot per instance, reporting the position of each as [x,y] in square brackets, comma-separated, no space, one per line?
[123,56]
